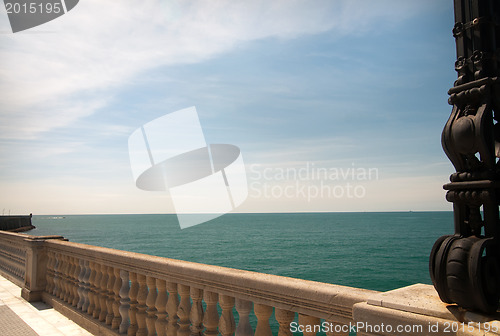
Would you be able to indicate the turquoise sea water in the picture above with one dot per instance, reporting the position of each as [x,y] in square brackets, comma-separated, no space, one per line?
[379,251]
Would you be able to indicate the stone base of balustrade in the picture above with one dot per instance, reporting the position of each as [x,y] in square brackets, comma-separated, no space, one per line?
[417,310]
[31,296]
[83,320]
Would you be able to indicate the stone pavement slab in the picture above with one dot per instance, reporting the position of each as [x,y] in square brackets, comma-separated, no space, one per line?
[21,318]
[13,325]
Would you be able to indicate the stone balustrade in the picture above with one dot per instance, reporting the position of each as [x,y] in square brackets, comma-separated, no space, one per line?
[112,292]
[138,294]
[22,261]
[12,258]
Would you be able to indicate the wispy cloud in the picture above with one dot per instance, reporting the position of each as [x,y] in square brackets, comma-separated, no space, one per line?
[52,80]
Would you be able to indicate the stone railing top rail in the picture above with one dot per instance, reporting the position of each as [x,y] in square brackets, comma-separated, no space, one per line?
[12,236]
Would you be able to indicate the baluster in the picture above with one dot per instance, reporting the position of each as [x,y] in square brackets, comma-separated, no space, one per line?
[196,313]
[81,285]
[244,307]
[161,306]
[310,321]
[263,314]
[134,290]
[116,319]
[284,318]
[172,305]
[124,303]
[184,311]
[62,277]
[335,329]
[141,306]
[110,295]
[76,282]
[70,281]
[67,279]
[150,302]
[50,272]
[86,286]
[55,290]
[103,293]
[226,321]
[97,291]
[91,294]
[211,317]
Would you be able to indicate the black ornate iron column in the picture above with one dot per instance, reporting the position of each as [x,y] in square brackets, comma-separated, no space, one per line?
[465,267]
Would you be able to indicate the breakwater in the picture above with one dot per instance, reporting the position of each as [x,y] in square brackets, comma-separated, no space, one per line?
[16,223]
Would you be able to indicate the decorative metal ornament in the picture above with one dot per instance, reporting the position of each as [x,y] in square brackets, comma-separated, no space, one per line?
[465,267]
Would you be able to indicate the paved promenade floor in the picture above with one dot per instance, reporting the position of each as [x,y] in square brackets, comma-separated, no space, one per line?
[21,318]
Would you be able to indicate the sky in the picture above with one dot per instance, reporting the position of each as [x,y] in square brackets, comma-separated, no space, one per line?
[335,105]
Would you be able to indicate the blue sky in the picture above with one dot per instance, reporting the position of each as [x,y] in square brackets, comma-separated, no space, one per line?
[337,85]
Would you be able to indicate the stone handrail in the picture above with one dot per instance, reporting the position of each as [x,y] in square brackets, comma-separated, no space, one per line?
[114,292]
[12,257]
[18,253]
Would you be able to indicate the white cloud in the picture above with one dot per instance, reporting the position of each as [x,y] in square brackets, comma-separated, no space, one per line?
[52,75]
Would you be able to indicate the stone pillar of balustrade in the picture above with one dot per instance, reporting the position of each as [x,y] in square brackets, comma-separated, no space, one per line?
[86,286]
[141,306]
[244,307]
[150,303]
[103,294]
[134,290]
[196,313]
[91,293]
[124,308]
[81,285]
[76,281]
[263,314]
[97,290]
[63,278]
[284,318]
[211,317]
[227,324]
[115,305]
[161,306]
[311,324]
[110,296]
[184,311]
[35,279]
[417,310]
[172,306]
[49,286]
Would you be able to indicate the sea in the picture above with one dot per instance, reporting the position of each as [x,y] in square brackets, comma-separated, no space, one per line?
[372,250]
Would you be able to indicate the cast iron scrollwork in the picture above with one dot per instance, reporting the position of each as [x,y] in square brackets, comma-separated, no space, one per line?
[465,267]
